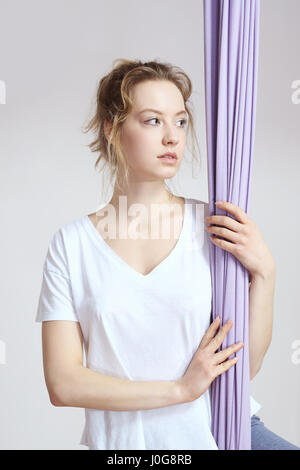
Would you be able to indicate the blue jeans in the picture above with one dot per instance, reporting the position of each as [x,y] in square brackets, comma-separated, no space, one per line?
[264,439]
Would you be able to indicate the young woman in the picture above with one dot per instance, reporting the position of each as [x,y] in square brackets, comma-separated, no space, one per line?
[139,299]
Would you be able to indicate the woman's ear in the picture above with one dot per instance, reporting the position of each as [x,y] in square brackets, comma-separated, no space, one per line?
[107,129]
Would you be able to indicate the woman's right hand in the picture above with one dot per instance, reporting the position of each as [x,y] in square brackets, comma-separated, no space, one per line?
[206,364]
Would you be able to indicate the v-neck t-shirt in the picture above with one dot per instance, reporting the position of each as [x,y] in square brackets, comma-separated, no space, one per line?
[135,326]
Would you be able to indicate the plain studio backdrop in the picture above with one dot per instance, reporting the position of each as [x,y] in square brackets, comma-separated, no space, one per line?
[52,55]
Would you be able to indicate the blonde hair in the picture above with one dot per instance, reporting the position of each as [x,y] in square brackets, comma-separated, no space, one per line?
[114,102]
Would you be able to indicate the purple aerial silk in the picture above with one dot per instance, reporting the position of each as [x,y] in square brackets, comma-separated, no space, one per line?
[231,58]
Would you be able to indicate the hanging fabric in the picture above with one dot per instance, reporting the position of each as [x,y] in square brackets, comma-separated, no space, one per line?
[231,29]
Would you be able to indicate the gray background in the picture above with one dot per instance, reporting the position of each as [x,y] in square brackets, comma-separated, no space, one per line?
[52,56]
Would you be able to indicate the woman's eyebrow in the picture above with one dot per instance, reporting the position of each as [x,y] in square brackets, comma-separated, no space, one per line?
[159,112]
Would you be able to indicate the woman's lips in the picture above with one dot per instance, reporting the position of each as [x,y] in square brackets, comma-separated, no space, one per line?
[168,160]
[168,154]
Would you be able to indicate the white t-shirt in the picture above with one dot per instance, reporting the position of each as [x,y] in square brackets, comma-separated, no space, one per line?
[135,326]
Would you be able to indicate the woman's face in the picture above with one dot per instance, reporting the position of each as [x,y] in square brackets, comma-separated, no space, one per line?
[148,134]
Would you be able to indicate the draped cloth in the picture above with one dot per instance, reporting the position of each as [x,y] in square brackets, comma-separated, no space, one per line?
[231,29]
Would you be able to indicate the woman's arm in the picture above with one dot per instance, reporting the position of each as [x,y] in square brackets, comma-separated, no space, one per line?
[69,383]
[261,306]
[244,241]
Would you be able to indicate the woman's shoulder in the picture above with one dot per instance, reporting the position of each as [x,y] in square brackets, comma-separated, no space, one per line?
[65,234]
[202,205]
[197,201]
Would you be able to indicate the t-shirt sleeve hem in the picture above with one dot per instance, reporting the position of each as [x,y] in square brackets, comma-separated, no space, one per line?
[57,316]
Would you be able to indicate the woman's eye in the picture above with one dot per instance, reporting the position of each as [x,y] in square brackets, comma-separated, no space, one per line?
[153,119]
[184,121]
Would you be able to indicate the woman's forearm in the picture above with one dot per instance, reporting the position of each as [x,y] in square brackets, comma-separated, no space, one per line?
[261,306]
[86,388]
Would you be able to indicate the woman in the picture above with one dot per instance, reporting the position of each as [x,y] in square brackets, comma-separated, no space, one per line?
[140,300]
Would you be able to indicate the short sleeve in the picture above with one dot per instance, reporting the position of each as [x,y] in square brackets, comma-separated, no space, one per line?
[56,300]
[254,406]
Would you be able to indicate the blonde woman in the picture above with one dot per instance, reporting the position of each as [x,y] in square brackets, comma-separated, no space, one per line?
[138,299]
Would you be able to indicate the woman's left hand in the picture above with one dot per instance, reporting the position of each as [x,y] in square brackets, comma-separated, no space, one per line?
[245,241]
